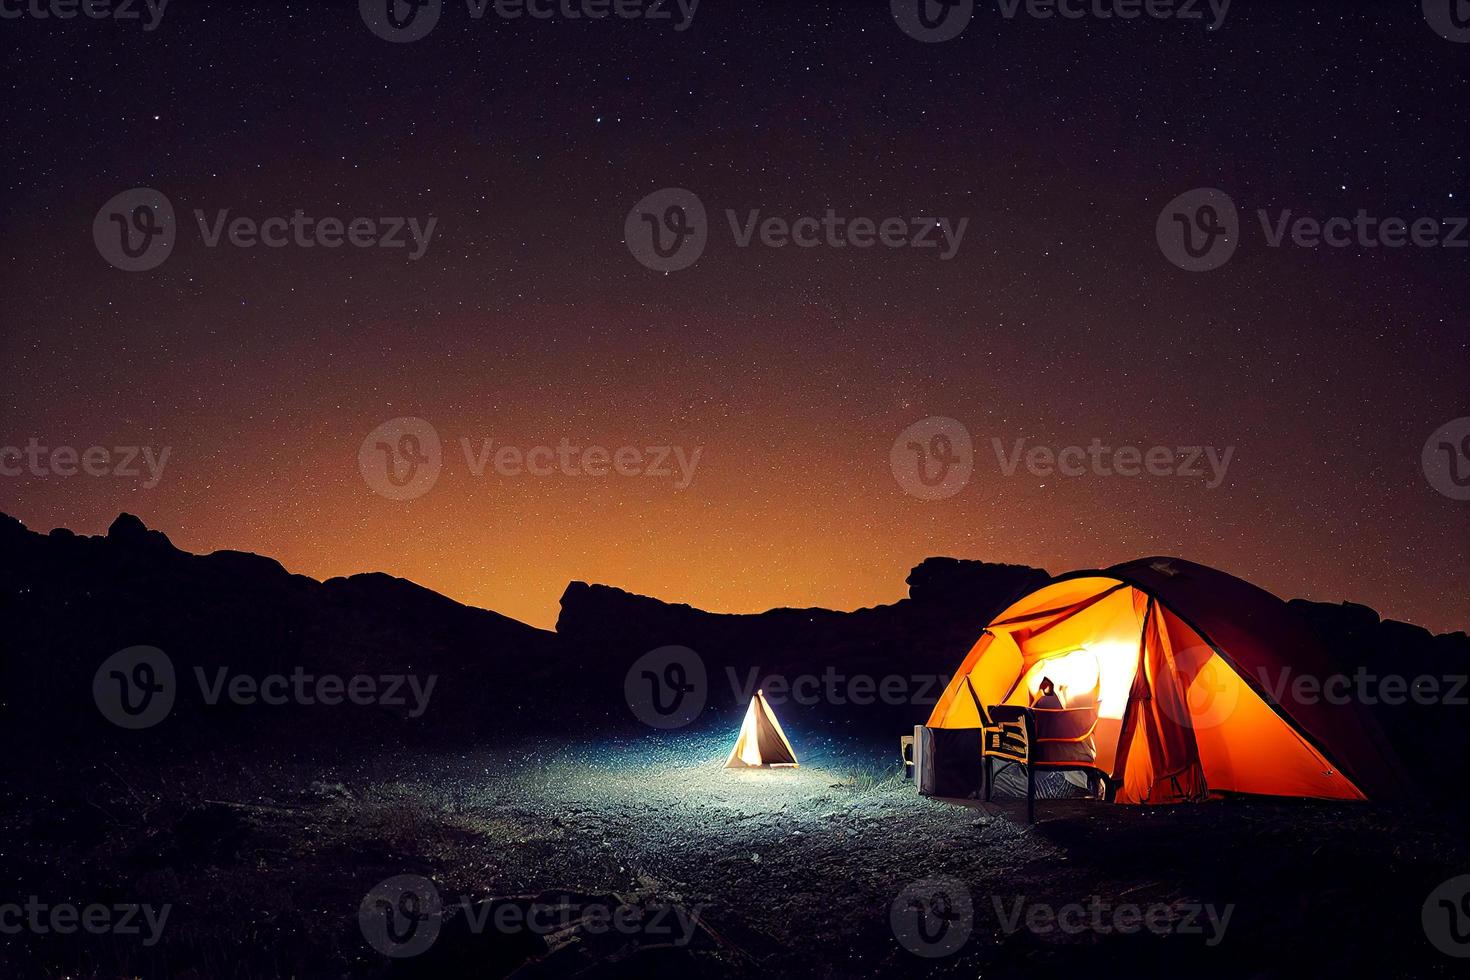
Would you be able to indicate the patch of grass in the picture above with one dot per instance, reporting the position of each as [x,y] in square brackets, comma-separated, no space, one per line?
[866,781]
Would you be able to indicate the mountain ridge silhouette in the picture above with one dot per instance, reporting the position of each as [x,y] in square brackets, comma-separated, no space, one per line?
[75,600]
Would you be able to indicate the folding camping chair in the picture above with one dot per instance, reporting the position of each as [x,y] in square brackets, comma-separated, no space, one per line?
[1048,739]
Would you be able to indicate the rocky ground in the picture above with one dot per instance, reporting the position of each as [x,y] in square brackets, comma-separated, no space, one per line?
[646,858]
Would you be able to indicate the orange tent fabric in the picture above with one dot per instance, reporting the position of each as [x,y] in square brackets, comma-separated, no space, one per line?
[1184,664]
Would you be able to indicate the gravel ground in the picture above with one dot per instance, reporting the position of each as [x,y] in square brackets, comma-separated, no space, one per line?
[266,868]
[788,865]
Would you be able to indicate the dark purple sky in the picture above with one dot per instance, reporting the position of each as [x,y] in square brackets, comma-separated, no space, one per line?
[1059,320]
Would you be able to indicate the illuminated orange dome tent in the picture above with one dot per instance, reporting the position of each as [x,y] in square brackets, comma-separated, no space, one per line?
[1185,676]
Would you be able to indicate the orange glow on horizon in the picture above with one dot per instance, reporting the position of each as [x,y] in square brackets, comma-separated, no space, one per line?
[793,503]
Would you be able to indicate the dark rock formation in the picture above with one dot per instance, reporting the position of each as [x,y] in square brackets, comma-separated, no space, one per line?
[72,601]
[958,582]
[1413,681]
[913,645]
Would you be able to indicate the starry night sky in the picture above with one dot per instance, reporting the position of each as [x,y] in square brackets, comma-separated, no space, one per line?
[528,321]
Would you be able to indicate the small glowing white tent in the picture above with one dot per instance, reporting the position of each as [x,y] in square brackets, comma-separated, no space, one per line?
[761,743]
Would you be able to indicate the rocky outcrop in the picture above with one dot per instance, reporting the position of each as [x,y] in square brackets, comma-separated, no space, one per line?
[1415,683]
[71,601]
[911,645]
[957,582]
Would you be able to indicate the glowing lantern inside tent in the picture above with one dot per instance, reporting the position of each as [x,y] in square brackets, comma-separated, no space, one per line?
[761,743]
